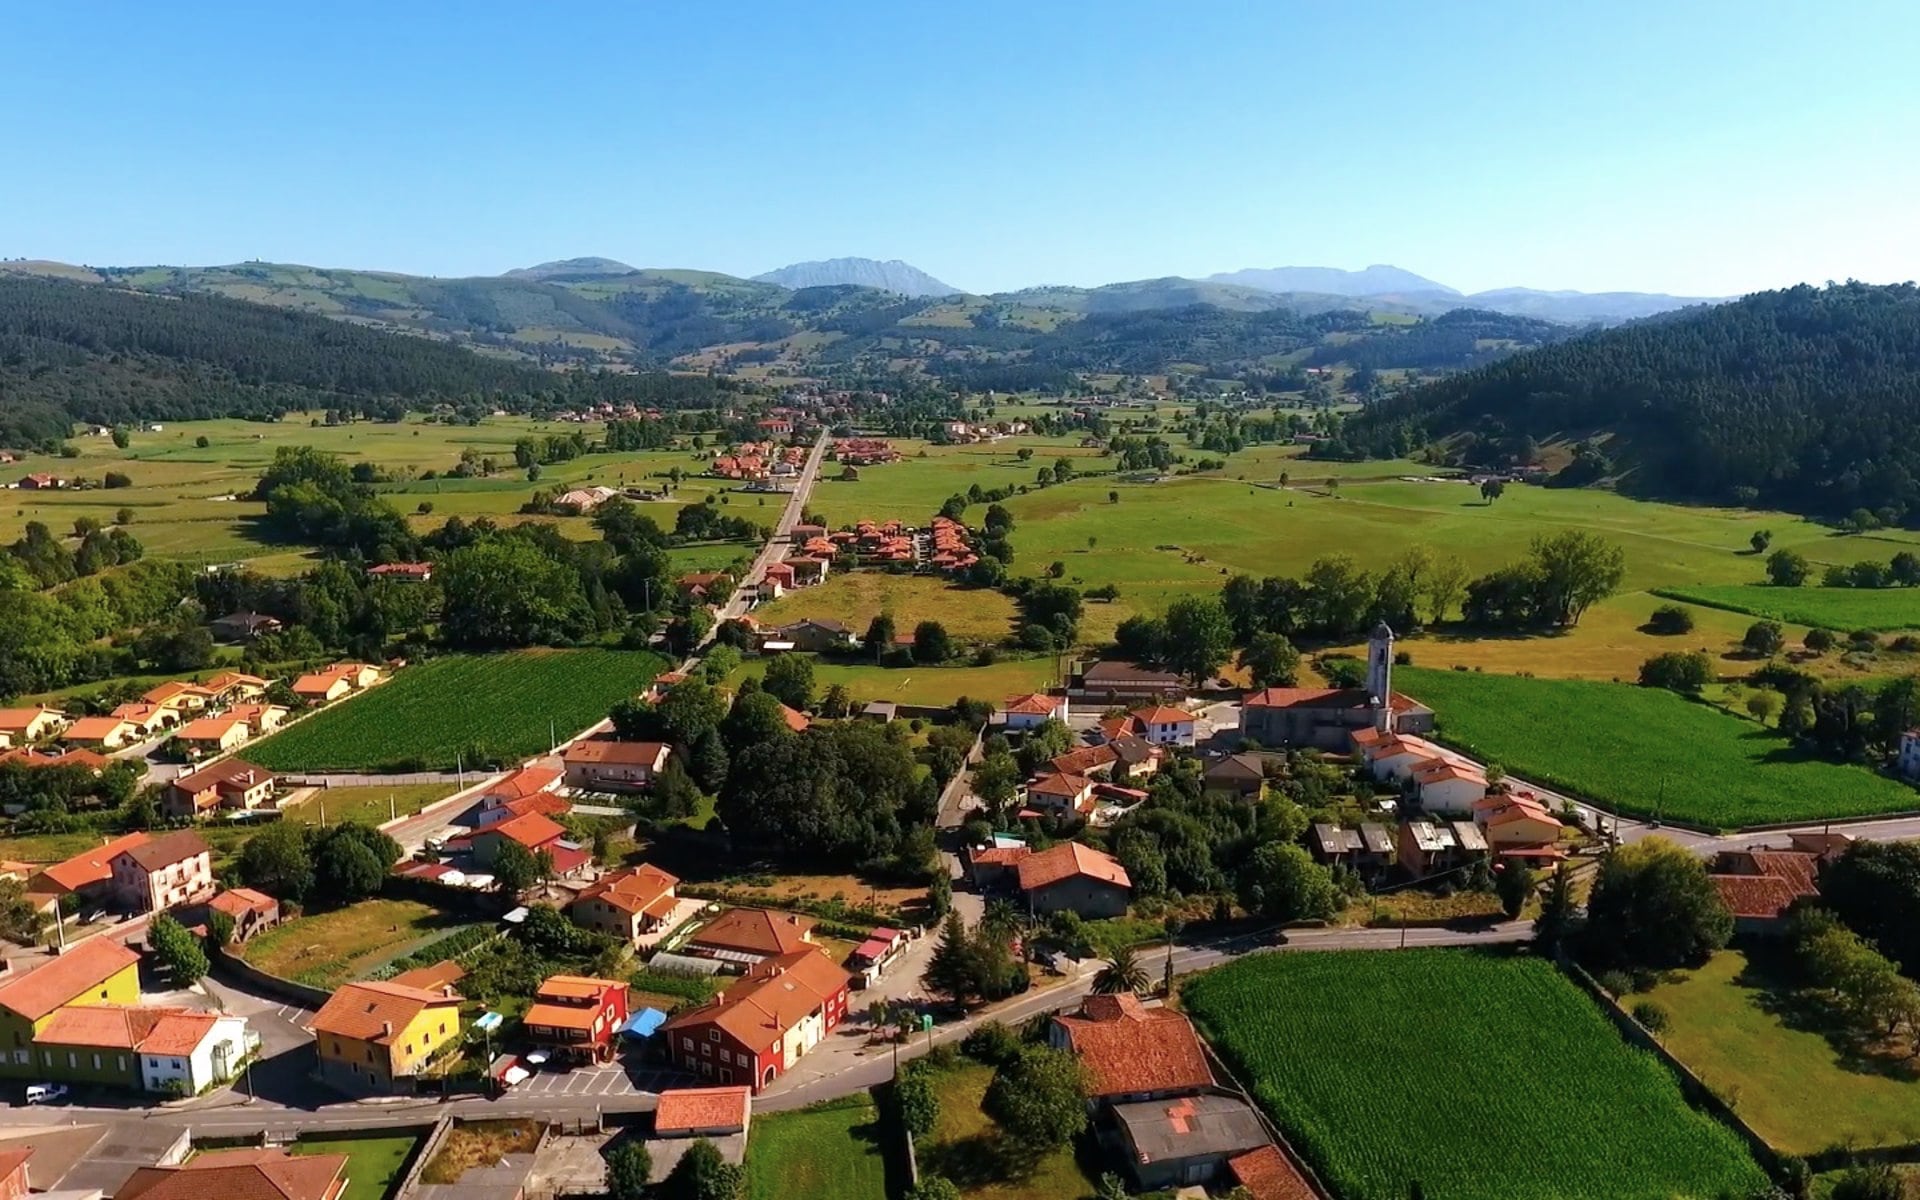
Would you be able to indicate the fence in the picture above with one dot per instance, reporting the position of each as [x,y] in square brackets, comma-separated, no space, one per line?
[234,969]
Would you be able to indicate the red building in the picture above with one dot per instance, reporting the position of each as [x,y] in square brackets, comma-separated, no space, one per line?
[576,1018]
[762,1025]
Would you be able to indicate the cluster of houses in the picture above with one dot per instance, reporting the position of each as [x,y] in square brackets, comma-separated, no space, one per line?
[944,545]
[751,461]
[210,717]
[40,481]
[862,451]
[973,432]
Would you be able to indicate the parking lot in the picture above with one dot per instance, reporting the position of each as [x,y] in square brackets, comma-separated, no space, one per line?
[616,1079]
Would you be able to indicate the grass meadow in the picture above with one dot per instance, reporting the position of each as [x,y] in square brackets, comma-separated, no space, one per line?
[829,1151]
[366,805]
[330,948]
[1739,1026]
[924,685]
[1843,609]
[1353,1053]
[1646,751]
[500,706]
[967,1148]
[375,1164]
[856,597]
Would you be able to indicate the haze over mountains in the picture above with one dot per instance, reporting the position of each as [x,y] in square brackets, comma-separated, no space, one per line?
[889,276]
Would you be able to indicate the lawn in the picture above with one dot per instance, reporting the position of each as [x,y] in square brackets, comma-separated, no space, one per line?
[1646,751]
[969,1149]
[829,1151]
[367,805]
[856,597]
[330,948]
[1735,1024]
[923,685]
[374,1164]
[914,488]
[1365,1057]
[497,707]
[1829,608]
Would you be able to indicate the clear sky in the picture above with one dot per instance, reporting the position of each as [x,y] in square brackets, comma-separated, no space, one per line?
[1689,146]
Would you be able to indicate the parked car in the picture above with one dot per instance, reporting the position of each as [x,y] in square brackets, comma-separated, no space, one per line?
[46,1093]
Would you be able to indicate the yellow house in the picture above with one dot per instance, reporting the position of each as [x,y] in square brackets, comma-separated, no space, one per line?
[181,697]
[97,971]
[19,726]
[233,685]
[318,689]
[215,735]
[375,1037]
[108,733]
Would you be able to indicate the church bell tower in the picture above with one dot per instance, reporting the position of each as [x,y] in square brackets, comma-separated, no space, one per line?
[1380,677]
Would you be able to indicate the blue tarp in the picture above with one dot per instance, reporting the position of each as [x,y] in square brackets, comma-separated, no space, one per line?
[644,1023]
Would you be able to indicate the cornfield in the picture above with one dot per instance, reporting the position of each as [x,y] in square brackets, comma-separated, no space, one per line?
[1482,1077]
[497,707]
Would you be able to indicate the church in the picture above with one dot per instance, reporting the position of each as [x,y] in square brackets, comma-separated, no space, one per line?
[1323,718]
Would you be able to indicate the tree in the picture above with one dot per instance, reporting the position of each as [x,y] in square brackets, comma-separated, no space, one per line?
[880,634]
[915,1102]
[179,951]
[629,1167]
[1764,638]
[1576,569]
[1123,975]
[1761,539]
[996,781]
[1904,568]
[934,1187]
[1874,887]
[219,927]
[1557,912]
[1271,661]
[1038,1098]
[1140,638]
[756,718]
[503,593]
[1281,882]
[702,1174]
[1763,704]
[514,868]
[1492,489]
[1877,1182]
[275,861]
[1679,671]
[1514,883]
[1653,905]
[837,703]
[1199,637]
[789,679]
[931,645]
[20,919]
[1671,620]
[1788,568]
[1818,640]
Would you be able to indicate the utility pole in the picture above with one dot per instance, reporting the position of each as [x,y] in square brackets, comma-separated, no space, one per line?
[393,813]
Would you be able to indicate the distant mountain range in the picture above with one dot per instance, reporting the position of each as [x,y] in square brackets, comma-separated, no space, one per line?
[889,276]
[1332,281]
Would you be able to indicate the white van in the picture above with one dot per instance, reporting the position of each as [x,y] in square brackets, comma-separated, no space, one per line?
[46,1093]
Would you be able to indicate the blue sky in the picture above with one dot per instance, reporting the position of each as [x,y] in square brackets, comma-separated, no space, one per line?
[1698,148]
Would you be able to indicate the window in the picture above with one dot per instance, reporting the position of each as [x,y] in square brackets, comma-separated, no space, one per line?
[687,1042]
[176,1064]
[713,1035]
[121,1061]
[443,1027]
[409,1049]
[706,1048]
[73,1061]
[153,1064]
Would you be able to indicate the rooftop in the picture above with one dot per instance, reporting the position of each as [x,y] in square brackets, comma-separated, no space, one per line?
[1066,861]
[1128,1047]
[241,1175]
[1267,1175]
[684,1110]
[169,848]
[755,931]
[373,1012]
[81,969]
[1189,1127]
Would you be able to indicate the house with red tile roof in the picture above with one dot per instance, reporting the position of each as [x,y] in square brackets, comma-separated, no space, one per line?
[527,783]
[228,783]
[376,1037]
[105,733]
[251,1174]
[1514,822]
[1759,903]
[412,572]
[1268,1174]
[796,720]
[1061,793]
[13,1173]
[761,1026]
[576,1019]
[88,874]
[21,726]
[206,736]
[708,1112]
[1032,710]
[164,872]
[1076,877]
[1324,717]
[627,904]
[251,911]
[742,937]
[604,764]
[1132,1051]
[97,971]
[168,1051]
[535,831]
[147,719]
[1164,725]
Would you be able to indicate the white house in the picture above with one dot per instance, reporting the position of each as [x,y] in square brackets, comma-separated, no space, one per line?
[1032,711]
[1165,726]
[180,1063]
[1449,788]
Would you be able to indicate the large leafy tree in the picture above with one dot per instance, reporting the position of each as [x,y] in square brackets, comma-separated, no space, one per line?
[702,1174]
[179,951]
[789,679]
[507,592]
[276,861]
[1874,887]
[1281,882]
[1577,569]
[1199,637]
[1271,661]
[1652,905]
[1038,1098]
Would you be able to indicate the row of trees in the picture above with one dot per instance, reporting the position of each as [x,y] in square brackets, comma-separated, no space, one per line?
[1790,568]
[39,559]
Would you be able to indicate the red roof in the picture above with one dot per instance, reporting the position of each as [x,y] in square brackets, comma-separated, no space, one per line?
[795,719]
[532,831]
[1756,896]
[1037,704]
[527,781]
[81,969]
[241,1175]
[632,890]
[684,1110]
[1267,1175]
[1067,860]
[755,931]
[93,866]
[1128,1047]
[1163,715]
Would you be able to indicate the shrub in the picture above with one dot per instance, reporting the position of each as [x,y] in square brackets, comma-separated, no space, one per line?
[992,1043]
[1818,640]
[1671,619]
[1677,671]
[1650,1015]
[1617,982]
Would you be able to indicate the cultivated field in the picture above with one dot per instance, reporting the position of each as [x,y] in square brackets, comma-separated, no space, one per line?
[462,708]
[914,488]
[330,948]
[1356,1053]
[831,1151]
[1830,608]
[1737,1025]
[856,597]
[1646,751]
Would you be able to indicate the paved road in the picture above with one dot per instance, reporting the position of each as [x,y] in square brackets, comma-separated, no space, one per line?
[777,545]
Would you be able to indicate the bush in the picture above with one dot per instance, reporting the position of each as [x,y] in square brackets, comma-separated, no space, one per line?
[1671,619]
[1677,671]
[1617,982]
[992,1043]
[1651,1016]
[1906,643]
[1818,640]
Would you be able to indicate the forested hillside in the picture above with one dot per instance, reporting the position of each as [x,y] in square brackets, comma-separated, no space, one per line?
[71,351]
[1465,337]
[1802,398]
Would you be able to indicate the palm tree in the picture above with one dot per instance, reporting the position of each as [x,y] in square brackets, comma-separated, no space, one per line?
[1001,915]
[1123,975]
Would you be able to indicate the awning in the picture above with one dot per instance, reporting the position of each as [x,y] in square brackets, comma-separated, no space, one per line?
[644,1023]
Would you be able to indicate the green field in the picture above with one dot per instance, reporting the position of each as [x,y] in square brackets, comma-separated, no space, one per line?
[829,1151]
[856,597]
[1482,1077]
[327,949]
[923,685]
[1830,608]
[1740,1029]
[1646,751]
[374,1164]
[461,708]
[366,805]
[914,488]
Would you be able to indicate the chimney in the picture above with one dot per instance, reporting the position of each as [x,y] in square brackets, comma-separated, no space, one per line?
[386,1029]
